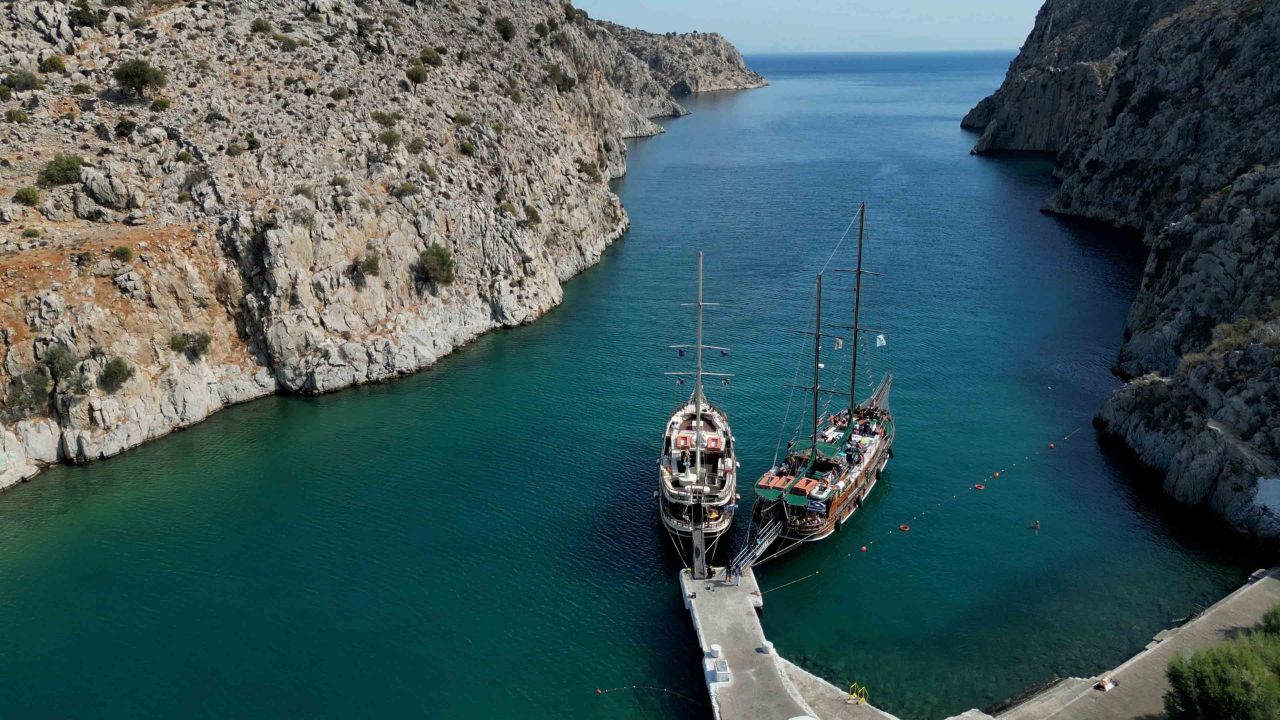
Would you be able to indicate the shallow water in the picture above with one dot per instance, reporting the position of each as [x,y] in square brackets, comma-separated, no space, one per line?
[481,540]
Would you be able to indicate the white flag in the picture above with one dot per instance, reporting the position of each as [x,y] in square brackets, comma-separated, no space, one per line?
[880,341]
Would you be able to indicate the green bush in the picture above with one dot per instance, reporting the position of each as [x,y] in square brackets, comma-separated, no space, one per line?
[542,30]
[286,43]
[590,169]
[28,196]
[81,89]
[31,233]
[466,147]
[82,15]
[389,138]
[1271,618]
[436,265]
[17,116]
[260,25]
[340,93]
[184,156]
[114,374]
[123,253]
[135,77]
[431,57]
[52,64]
[531,214]
[506,28]
[236,149]
[1238,680]
[406,189]
[61,170]
[386,119]
[22,81]
[60,361]
[27,391]
[5,93]
[462,119]
[161,104]
[125,128]
[417,145]
[193,344]
[416,73]
[185,197]
[305,191]
[506,208]
[370,265]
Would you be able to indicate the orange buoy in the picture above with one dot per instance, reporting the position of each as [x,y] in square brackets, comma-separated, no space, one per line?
[995,474]
[864,548]
[904,528]
[599,691]
[979,486]
[1052,446]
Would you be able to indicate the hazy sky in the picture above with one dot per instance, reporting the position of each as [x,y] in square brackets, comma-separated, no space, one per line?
[834,25]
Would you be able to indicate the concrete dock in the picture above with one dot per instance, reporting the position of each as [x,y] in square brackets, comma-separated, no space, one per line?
[747,679]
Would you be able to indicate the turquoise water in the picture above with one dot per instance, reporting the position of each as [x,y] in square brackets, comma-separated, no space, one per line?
[481,540]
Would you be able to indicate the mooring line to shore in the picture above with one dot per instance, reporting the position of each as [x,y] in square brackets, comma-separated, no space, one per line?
[793,582]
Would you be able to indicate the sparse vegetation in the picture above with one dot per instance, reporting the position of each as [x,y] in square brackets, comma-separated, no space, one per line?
[506,208]
[193,345]
[340,93]
[389,138]
[542,30]
[531,215]
[466,147]
[184,156]
[236,149]
[260,25]
[81,89]
[561,80]
[123,253]
[386,119]
[462,119]
[432,57]
[589,168]
[406,189]
[28,196]
[125,128]
[31,233]
[23,81]
[17,115]
[115,374]
[135,77]
[417,73]
[60,361]
[506,28]
[417,145]
[52,64]
[370,265]
[161,104]
[27,392]
[82,15]
[61,170]
[305,191]
[216,117]
[436,265]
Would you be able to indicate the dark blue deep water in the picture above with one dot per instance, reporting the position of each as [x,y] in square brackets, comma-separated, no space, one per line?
[481,541]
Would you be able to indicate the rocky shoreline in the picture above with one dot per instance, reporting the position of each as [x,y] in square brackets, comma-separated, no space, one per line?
[314,194]
[1164,117]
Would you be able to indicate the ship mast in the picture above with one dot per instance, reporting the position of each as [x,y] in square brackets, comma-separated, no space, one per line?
[817,365]
[699,536]
[857,304]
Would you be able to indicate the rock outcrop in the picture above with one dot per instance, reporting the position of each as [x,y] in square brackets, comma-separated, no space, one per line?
[321,193]
[1165,117]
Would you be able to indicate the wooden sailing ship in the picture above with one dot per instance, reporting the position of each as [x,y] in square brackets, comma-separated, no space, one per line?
[825,478]
[697,468]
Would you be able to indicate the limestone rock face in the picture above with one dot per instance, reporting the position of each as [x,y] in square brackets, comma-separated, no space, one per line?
[266,226]
[1165,117]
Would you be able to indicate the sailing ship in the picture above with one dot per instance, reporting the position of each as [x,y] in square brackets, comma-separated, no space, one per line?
[825,478]
[697,469]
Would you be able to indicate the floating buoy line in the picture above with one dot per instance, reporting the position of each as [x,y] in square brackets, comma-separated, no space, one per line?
[979,486]
[654,688]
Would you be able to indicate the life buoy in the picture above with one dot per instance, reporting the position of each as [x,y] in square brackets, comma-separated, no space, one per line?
[904,528]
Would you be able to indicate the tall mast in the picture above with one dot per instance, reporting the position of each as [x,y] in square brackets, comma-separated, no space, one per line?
[699,536]
[857,303]
[817,365]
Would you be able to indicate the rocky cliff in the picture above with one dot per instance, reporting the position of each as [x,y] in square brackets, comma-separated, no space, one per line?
[1165,117]
[207,202]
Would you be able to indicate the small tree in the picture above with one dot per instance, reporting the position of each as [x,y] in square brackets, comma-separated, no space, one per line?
[61,170]
[417,73]
[123,253]
[137,76]
[115,374]
[436,265]
[60,361]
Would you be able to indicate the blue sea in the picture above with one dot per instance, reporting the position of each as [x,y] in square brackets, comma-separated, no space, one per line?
[481,540]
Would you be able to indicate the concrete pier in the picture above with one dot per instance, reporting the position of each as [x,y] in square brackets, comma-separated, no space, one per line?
[745,676]
[747,679]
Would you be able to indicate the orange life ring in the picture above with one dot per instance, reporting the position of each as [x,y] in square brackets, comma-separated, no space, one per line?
[904,528]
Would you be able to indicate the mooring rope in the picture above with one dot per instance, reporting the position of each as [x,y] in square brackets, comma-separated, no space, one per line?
[655,688]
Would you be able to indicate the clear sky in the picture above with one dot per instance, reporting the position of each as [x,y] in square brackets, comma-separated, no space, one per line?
[834,25]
